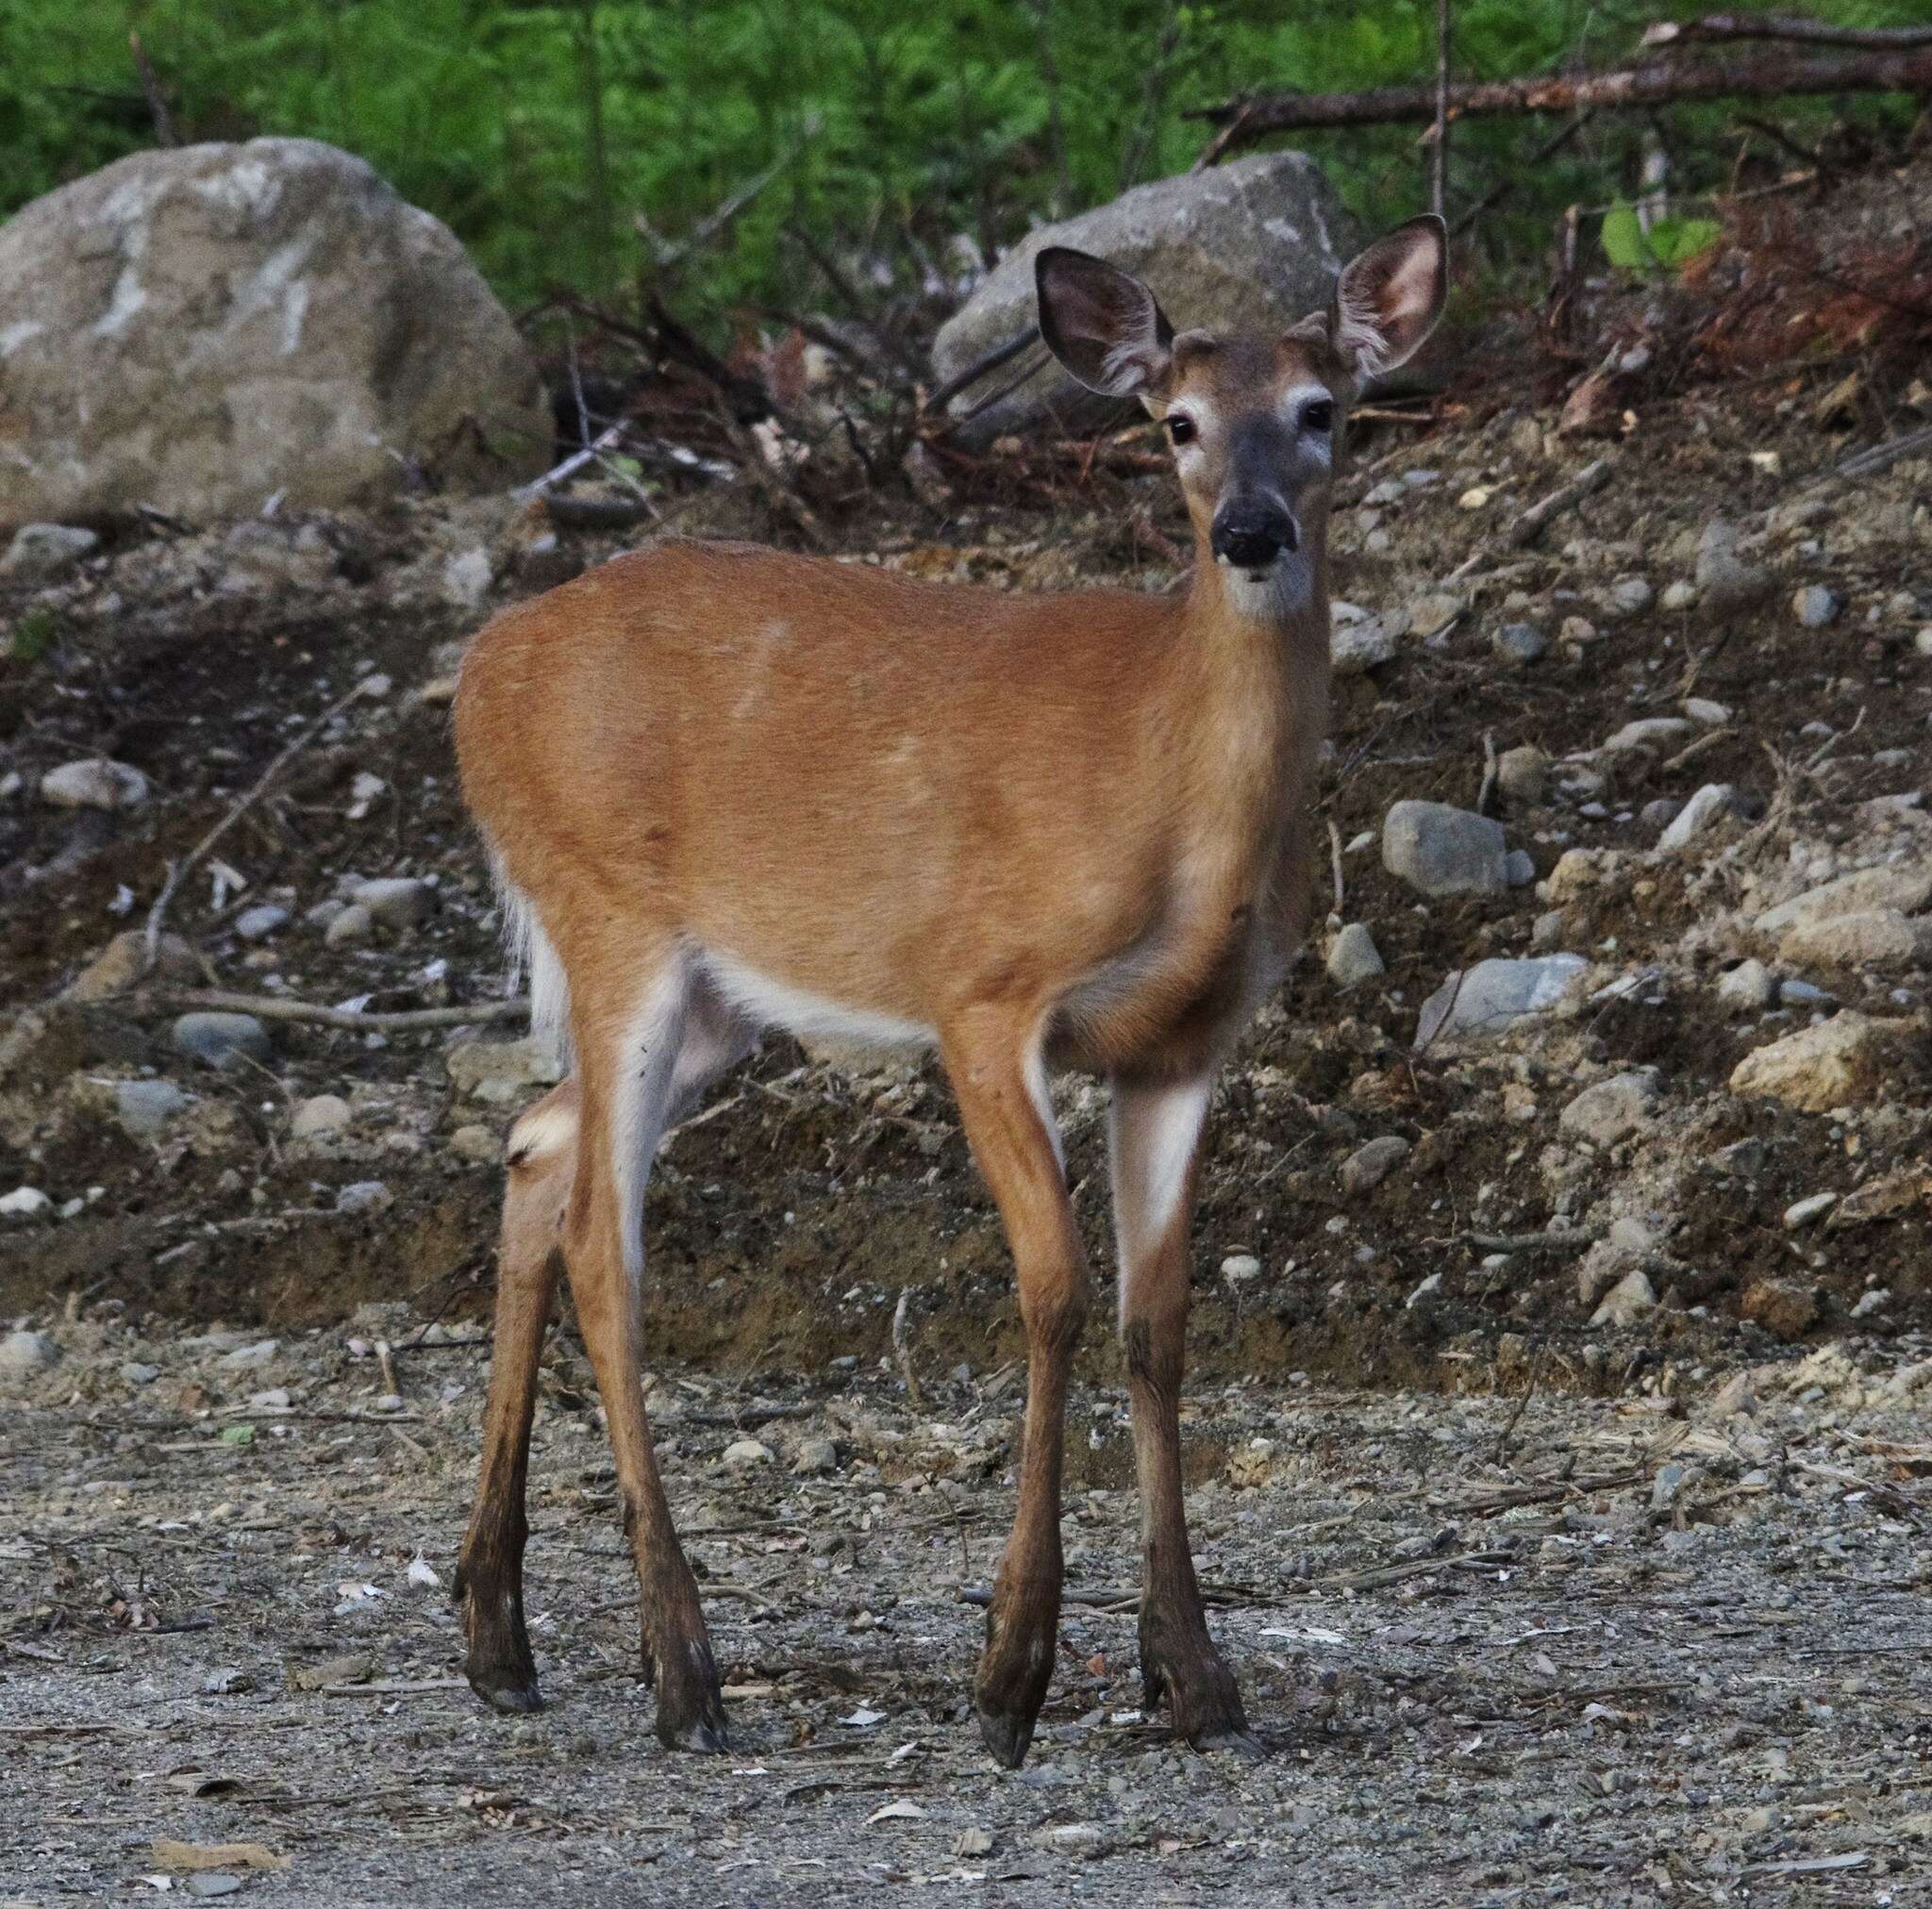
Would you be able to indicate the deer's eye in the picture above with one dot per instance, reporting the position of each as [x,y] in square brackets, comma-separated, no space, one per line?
[1180,428]
[1320,416]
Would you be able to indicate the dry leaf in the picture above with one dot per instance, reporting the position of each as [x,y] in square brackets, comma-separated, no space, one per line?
[891,1813]
[173,1856]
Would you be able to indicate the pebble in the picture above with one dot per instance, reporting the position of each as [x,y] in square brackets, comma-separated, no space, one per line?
[466,578]
[1660,813]
[25,1352]
[476,1143]
[396,901]
[259,923]
[148,1108]
[1922,641]
[1835,1063]
[1358,642]
[1678,596]
[1646,733]
[1430,614]
[220,1040]
[24,1203]
[1369,1166]
[41,551]
[1803,1212]
[1240,1267]
[350,927]
[1628,595]
[364,1196]
[815,1457]
[1352,956]
[250,1357]
[1627,1301]
[1747,988]
[95,783]
[1444,851]
[1870,937]
[1520,642]
[1709,807]
[1814,606]
[118,966]
[1904,886]
[500,1071]
[1576,632]
[1705,712]
[134,1374]
[1725,580]
[319,1115]
[1612,1110]
[1519,868]
[748,1452]
[1781,1306]
[1485,999]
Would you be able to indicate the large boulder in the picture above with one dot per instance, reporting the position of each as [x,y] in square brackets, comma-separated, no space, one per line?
[1251,245]
[202,328]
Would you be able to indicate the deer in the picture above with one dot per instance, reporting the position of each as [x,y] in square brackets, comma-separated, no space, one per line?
[726,788]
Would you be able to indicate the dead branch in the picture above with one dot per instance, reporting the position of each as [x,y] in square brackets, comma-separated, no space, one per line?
[1759,76]
[1727,26]
[1528,526]
[151,87]
[989,361]
[277,1007]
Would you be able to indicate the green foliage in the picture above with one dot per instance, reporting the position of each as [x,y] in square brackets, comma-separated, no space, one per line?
[543,131]
[34,634]
[1671,240]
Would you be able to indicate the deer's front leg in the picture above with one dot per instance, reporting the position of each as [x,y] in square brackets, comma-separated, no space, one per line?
[1154,1138]
[993,1061]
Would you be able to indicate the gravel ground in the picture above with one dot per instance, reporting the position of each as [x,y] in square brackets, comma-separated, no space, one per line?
[1666,1647]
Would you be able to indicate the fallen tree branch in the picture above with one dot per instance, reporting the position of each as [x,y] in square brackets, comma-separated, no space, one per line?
[1530,525]
[275,1007]
[178,872]
[1727,26]
[1752,76]
[989,361]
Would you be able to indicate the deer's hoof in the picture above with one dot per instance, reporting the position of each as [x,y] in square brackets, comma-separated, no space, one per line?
[1006,1735]
[506,1690]
[1241,1743]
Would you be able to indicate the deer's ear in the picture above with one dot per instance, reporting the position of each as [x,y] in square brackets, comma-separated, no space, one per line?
[1101,323]
[1388,300]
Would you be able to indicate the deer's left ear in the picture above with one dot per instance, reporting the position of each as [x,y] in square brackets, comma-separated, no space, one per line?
[1388,300]
[1101,323]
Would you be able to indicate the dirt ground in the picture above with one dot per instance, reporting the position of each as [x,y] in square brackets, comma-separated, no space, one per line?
[1564,1487]
[1664,1649]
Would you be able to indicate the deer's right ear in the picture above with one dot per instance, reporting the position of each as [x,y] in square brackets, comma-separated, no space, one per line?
[1101,323]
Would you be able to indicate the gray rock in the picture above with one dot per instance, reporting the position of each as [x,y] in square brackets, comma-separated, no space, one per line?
[1646,732]
[1444,851]
[1610,1110]
[477,1144]
[1520,643]
[1705,712]
[1709,807]
[148,1108]
[259,923]
[1626,1302]
[95,783]
[1352,956]
[1677,596]
[1660,813]
[220,1040]
[815,1457]
[1904,886]
[25,1203]
[350,927]
[23,1353]
[1803,1212]
[1358,642]
[321,1116]
[1749,987]
[42,552]
[1486,999]
[1370,1165]
[1251,245]
[119,965]
[251,1358]
[1519,868]
[500,1071]
[1628,595]
[1844,1061]
[134,1374]
[364,1196]
[1868,938]
[396,901]
[1725,580]
[1814,606]
[1521,773]
[242,321]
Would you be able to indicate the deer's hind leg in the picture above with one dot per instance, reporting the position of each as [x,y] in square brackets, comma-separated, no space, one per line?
[542,1157]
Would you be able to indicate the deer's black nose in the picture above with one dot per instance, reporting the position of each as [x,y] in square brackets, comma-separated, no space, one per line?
[1252,535]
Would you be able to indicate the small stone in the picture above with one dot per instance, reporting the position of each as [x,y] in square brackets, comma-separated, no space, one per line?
[1870,937]
[1795,991]
[466,578]
[1358,642]
[477,1144]
[25,1203]
[1705,712]
[1626,1302]
[1519,868]
[250,1358]
[259,923]
[1475,498]
[1520,643]
[364,1196]
[748,1452]
[350,927]
[1612,1110]
[220,1040]
[1352,956]
[118,966]
[1704,810]
[1781,1306]
[1647,732]
[1546,930]
[1814,607]
[23,1353]
[1660,813]
[1750,988]
[501,1070]
[1484,1001]
[1678,596]
[147,1109]
[1429,615]
[1904,886]
[42,552]
[1922,641]
[815,1457]
[1725,580]
[1520,772]
[1840,1062]
[95,783]
[318,1115]
[1803,1212]
[396,901]
[1576,633]
[134,1374]
[1628,595]
[1369,1166]
[1444,851]
[1241,1267]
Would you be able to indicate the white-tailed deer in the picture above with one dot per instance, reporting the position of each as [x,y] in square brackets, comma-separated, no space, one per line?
[726,788]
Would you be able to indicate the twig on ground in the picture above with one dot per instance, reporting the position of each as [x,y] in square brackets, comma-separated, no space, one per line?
[1530,525]
[274,1008]
[1334,863]
[902,1350]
